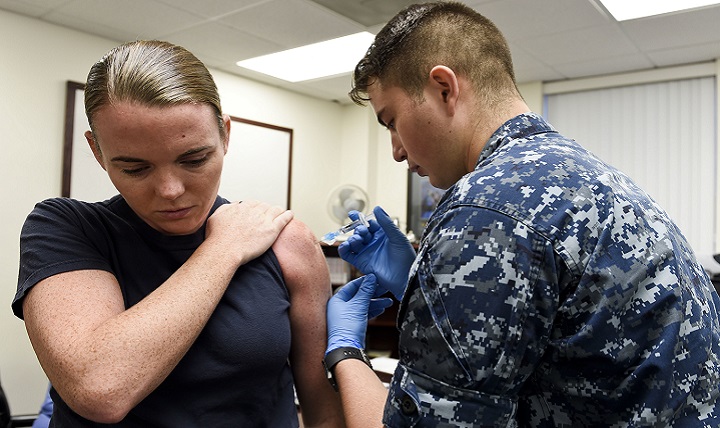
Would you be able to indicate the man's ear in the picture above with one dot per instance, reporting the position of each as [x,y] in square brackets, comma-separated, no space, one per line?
[444,82]
[95,149]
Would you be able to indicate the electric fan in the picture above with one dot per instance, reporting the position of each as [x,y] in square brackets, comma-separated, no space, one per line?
[344,199]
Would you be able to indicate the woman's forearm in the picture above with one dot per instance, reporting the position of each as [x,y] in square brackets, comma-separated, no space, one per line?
[104,359]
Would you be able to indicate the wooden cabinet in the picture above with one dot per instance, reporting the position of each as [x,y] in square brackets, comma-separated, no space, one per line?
[382,333]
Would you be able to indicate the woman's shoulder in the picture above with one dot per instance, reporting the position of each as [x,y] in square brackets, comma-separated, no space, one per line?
[62,210]
[295,238]
[300,256]
[59,203]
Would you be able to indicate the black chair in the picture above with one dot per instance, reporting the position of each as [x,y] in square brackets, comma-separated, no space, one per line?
[6,418]
[711,264]
[22,421]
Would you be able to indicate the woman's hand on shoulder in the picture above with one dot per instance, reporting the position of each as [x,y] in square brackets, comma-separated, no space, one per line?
[246,229]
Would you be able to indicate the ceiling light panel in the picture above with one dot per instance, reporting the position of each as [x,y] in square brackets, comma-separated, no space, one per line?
[623,10]
[329,58]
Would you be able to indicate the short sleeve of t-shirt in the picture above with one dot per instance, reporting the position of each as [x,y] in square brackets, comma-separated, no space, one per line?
[60,235]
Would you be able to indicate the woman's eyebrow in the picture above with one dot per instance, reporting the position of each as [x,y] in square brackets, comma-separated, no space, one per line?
[195,151]
[190,152]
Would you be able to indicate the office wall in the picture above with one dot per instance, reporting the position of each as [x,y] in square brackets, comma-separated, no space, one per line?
[35,62]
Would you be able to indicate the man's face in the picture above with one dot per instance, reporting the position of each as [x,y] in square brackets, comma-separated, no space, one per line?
[421,132]
[165,161]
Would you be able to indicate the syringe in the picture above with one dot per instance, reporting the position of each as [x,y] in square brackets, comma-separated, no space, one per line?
[330,237]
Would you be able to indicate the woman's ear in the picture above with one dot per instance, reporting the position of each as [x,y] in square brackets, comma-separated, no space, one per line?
[95,149]
[444,82]
[226,124]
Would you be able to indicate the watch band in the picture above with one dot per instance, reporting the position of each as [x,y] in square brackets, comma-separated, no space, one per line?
[336,355]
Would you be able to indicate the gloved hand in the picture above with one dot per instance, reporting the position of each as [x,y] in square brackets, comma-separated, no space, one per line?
[381,249]
[348,311]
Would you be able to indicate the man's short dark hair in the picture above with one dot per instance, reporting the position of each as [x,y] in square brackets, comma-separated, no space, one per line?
[439,33]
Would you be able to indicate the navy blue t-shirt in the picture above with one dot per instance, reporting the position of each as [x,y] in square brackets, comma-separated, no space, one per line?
[236,373]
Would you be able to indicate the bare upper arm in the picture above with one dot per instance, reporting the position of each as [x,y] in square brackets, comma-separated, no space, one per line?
[303,263]
[62,309]
[308,282]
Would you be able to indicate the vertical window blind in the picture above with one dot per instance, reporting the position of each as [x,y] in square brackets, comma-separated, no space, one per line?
[660,134]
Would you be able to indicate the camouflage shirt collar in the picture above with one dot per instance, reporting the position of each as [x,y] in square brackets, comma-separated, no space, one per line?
[521,126]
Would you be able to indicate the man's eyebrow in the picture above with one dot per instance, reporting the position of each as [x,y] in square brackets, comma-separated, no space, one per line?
[379,115]
[127,159]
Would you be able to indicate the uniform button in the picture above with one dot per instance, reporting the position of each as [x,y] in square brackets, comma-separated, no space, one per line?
[407,406]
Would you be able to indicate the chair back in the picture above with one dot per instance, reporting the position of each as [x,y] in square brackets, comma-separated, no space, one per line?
[5,418]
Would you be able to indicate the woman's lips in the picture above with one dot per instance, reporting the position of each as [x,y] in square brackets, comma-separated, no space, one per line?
[175,214]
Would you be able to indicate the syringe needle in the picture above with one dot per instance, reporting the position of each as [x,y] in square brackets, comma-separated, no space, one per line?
[330,237]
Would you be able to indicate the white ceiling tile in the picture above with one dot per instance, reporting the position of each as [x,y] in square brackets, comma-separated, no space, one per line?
[123,20]
[528,68]
[675,30]
[223,44]
[366,12]
[579,45]
[334,87]
[523,19]
[522,58]
[212,8]
[292,23]
[32,8]
[475,3]
[538,74]
[685,55]
[605,65]
[92,27]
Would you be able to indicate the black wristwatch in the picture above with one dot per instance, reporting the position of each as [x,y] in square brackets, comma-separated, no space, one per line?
[336,355]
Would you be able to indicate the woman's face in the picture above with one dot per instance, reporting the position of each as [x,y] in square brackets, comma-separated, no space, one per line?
[165,161]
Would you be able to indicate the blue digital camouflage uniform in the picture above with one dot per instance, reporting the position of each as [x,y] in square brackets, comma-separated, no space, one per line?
[550,291]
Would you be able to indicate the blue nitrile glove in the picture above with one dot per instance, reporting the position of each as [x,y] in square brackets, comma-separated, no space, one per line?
[381,249]
[348,311]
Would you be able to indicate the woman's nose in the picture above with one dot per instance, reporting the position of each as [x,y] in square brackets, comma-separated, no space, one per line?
[169,186]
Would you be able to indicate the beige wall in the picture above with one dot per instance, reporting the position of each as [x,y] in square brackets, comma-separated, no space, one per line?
[36,60]
[532,92]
